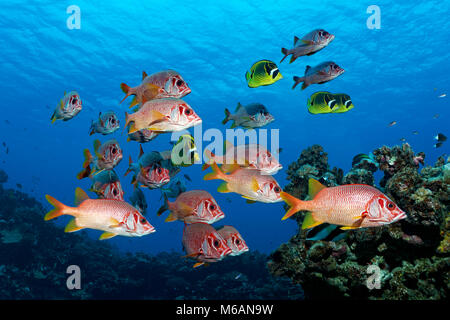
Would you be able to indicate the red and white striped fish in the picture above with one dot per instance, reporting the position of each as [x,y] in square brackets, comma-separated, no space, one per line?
[352,206]
[250,184]
[163,84]
[203,243]
[115,217]
[193,206]
[162,115]
[234,240]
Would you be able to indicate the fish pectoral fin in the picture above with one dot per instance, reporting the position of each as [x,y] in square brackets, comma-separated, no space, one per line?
[114,223]
[185,207]
[107,235]
[255,185]
[308,42]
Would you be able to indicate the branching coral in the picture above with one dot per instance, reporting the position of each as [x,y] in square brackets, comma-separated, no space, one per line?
[411,255]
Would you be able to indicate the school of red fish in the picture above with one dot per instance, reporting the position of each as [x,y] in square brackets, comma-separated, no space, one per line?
[246,169]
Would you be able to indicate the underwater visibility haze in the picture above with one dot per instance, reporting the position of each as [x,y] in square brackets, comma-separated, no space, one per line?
[348,176]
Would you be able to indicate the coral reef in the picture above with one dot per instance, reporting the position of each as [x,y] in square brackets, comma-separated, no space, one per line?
[34,256]
[410,257]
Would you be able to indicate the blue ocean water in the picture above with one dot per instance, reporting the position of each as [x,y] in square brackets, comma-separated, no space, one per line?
[395,73]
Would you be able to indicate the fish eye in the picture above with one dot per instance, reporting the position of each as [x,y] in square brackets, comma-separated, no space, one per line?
[390,206]
[212,207]
[238,241]
[113,120]
[115,192]
[142,220]
[74,101]
[187,112]
[216,243]
[180,82]
[159,170]
[114,150]
[324,33]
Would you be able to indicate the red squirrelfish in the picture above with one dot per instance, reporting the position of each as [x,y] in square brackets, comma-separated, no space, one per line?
[68,107]
[203,243]
[162,115]
[106,185]
[250,184]
[251,156]
[106,123]
[193,206]
[114,217]
[108,155]
[234,240]
[322,73]
[163,84]
[149,170]
[311,43]
[351,206]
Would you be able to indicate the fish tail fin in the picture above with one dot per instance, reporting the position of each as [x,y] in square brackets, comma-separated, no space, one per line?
[216,174]
[58,210]
[86,165]
[285,52]
[227,116]
[164,207]
[297,80]
[91,129]
[294,204]
[53,117]
[129,120]
[210,157]
[127,90]
[129,166]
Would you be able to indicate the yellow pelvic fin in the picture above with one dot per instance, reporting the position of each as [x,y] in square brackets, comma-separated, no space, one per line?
[349,228]
[310,222]
[107,235]
[72,226]
[80,196]
[314,187]
[198,264]
[114,223]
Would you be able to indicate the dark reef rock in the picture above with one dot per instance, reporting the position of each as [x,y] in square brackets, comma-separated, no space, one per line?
[3,176]
[412,255]
[34,256]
